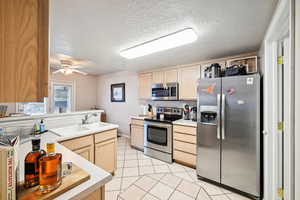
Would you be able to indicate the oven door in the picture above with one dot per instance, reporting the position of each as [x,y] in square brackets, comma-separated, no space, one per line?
[158,136]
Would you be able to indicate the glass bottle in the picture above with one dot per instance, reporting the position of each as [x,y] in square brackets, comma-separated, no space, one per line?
[32,164]
[50,169]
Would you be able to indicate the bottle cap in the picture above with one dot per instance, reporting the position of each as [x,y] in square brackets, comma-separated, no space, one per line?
[50,147]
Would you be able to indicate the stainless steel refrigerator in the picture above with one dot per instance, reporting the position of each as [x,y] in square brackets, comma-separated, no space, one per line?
[229,133]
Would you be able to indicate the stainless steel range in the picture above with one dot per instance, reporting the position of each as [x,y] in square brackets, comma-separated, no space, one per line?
[158,140]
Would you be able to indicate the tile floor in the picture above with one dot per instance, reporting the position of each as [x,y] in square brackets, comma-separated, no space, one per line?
[141,177]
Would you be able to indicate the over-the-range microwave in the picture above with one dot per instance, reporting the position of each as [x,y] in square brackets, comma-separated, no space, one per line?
[165,92]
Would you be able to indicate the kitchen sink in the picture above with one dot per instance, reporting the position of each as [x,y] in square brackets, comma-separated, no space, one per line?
[78,129]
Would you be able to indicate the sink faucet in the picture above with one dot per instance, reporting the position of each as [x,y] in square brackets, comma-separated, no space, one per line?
[86,118]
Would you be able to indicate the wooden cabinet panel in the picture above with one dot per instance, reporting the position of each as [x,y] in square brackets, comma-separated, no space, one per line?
[106,155]
[185,147]
[145,83]
[24,50]
[138,122]
[137,136]
[185,158]
[86,152]
[78,143]
[171,76]
[185,138]
[98,194]
[105,135]
[188,77]
[185,129]
[158,77]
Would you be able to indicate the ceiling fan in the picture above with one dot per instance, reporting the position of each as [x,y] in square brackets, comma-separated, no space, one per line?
[67,65]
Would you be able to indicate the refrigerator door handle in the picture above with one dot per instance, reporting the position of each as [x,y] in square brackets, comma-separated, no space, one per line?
[223,115]
[218,116]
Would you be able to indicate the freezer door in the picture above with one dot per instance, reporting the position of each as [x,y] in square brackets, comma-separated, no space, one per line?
[241,133]
[208,129]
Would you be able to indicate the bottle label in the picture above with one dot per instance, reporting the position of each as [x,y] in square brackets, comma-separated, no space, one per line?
[29,168]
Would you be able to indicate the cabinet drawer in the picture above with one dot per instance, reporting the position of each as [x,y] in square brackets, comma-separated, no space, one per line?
[185,137]
[78,143]
[138,122]
[185,157]
[105,135]
[185,129]
[185,147]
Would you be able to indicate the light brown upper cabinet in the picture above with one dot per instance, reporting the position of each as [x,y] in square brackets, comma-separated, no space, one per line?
[188,77]
[171,76]
[145,82]
[24,66]
[158,77]
[165,76]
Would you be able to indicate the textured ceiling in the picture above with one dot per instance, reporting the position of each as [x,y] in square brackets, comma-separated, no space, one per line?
[97,30]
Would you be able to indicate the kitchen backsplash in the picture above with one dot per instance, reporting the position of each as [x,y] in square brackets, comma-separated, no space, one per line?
[177,104]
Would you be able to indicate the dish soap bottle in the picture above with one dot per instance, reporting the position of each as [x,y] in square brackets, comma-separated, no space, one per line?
[50,169]
[42,126]
[32,164]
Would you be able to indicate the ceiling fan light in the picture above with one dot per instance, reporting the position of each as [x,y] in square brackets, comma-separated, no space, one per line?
[170,41]
[68,71]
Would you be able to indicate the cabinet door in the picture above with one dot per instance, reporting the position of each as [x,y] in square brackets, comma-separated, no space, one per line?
[137,136]
[171,76]
[86,152]
[145,82]
[24,50]
[106,155]
[188,77]
[158,77]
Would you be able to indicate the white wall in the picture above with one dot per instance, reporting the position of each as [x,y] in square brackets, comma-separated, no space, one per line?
[119,112]
[297,101]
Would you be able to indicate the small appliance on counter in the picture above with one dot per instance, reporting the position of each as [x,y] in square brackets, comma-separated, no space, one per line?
[186,112]
[158,133]
[193,114]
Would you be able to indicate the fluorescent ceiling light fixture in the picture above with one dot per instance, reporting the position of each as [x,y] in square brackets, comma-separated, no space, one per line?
[170,41]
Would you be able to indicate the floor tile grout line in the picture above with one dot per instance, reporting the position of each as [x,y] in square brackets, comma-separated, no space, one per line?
[175,189]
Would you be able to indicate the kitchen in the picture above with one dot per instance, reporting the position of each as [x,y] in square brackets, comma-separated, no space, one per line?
[162,101]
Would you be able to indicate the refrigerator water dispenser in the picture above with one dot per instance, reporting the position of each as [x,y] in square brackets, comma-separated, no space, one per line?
[208,115]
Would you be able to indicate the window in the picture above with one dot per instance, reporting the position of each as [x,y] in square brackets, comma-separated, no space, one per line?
[33,108]
[62,97]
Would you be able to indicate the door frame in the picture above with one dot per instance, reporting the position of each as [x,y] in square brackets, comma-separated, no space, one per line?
[281,27]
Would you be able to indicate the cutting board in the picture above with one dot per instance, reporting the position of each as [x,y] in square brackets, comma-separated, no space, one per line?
[77,177]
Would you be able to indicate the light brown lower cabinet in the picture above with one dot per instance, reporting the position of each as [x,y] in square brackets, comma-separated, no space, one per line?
[106,154]
[184,145]
[86,152]
[98,194]
[83,146]
[99,148]
[137,136]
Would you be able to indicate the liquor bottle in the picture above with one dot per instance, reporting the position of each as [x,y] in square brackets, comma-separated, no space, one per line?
[32,164]
[50,169]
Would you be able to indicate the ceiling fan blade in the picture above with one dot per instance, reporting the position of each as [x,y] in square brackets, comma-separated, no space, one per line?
[58,71]
[79,72]
[76,67]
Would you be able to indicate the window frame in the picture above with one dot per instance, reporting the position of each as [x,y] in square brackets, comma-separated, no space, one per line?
[64,83]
